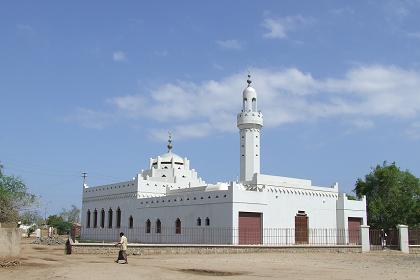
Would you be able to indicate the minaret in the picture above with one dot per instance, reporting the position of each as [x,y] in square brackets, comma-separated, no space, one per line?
[249,122]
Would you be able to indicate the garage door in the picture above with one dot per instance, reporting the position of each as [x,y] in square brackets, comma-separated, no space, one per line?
[250,228]
[354,230]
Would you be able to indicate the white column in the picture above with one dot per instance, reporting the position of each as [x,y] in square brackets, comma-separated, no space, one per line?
[403,235]
[364,236]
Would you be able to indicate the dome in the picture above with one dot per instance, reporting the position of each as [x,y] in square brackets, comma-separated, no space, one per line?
[167,157]
[249,93]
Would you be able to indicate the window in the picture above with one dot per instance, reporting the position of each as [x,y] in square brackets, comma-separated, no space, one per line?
[207,221]
[130,222]
[254,104]
[158,226]
[110,218]
[163,175]
[148,226]
[118,217]
[199,222]
[178,226]
[95,218]
[102,218]
[88,219]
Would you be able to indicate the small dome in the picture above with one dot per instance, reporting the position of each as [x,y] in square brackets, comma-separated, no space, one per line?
[249,93]
[167,157]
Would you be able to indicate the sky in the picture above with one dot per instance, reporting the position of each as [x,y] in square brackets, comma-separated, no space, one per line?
[94,86]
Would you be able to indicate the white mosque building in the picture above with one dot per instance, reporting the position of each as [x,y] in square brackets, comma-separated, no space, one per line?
[170,203]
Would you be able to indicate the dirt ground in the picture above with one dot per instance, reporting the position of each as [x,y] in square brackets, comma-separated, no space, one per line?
[49,262]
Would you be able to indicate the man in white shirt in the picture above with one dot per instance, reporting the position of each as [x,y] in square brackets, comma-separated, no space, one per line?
[122,254]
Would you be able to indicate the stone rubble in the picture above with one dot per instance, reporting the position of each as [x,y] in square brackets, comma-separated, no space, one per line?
[9,262]
[49,241]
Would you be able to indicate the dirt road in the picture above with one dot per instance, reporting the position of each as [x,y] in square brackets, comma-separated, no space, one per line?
[49,262]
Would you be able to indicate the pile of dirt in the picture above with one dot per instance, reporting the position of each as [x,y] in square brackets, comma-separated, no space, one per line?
[8,262]
[49,241]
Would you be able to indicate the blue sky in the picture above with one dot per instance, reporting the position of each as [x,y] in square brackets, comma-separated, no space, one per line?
[94,86]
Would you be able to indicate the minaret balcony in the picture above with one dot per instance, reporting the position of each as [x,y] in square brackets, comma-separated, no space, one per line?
[252,118]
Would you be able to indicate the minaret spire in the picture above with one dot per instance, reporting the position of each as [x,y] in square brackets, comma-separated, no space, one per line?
[169,142]
[249,79]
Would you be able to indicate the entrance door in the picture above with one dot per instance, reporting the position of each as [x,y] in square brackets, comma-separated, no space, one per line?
[250,228]
[301,229]
[354,230]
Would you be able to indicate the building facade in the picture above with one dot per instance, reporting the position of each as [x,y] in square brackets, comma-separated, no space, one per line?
[170,203]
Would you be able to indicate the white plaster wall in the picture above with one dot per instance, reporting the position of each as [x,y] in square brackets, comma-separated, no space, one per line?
[187,206]
[349,208]
[280,206]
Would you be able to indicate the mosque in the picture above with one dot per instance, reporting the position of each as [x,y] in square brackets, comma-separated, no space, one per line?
[170,203]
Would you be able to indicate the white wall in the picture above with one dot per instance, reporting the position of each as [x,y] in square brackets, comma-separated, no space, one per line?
[280,205]
[187,206]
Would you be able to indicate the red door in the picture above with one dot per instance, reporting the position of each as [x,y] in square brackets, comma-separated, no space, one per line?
[250,228]
[354,229]
[301,229]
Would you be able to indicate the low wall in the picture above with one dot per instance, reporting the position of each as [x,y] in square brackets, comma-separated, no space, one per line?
[10,242]
[152,249]
[414,249]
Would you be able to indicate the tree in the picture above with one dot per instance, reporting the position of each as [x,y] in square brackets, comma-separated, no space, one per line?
[393,196]
[30,217]
[72,215]
[14,197]
[58,222]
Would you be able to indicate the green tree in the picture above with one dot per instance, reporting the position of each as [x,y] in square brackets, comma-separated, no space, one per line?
[393,196]
[14,197]
[58,222]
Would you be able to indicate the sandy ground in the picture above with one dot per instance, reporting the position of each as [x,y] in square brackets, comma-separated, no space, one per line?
[49,262]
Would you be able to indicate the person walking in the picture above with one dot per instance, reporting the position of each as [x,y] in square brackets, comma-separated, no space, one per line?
[122,254]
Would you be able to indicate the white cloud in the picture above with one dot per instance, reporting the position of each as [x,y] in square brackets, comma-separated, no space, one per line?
[230,44]
[278,28]
[119,56]
[285,96]
[91,119]
[195,130]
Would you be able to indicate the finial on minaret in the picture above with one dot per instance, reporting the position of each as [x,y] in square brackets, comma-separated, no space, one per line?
[249,79]
[169,142]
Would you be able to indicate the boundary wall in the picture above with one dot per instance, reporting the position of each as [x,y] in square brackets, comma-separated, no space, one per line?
[157,249]
[10,242]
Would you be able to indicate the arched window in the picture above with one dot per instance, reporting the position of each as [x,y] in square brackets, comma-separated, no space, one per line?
[199,222]
[244,105]
[118,217]
[130,222]
[207,221]
[254,104]
[148,226]
[95,218]
[110,218]
[88,219]
[102,218]
[163,175]
[178,226]
[158,226]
